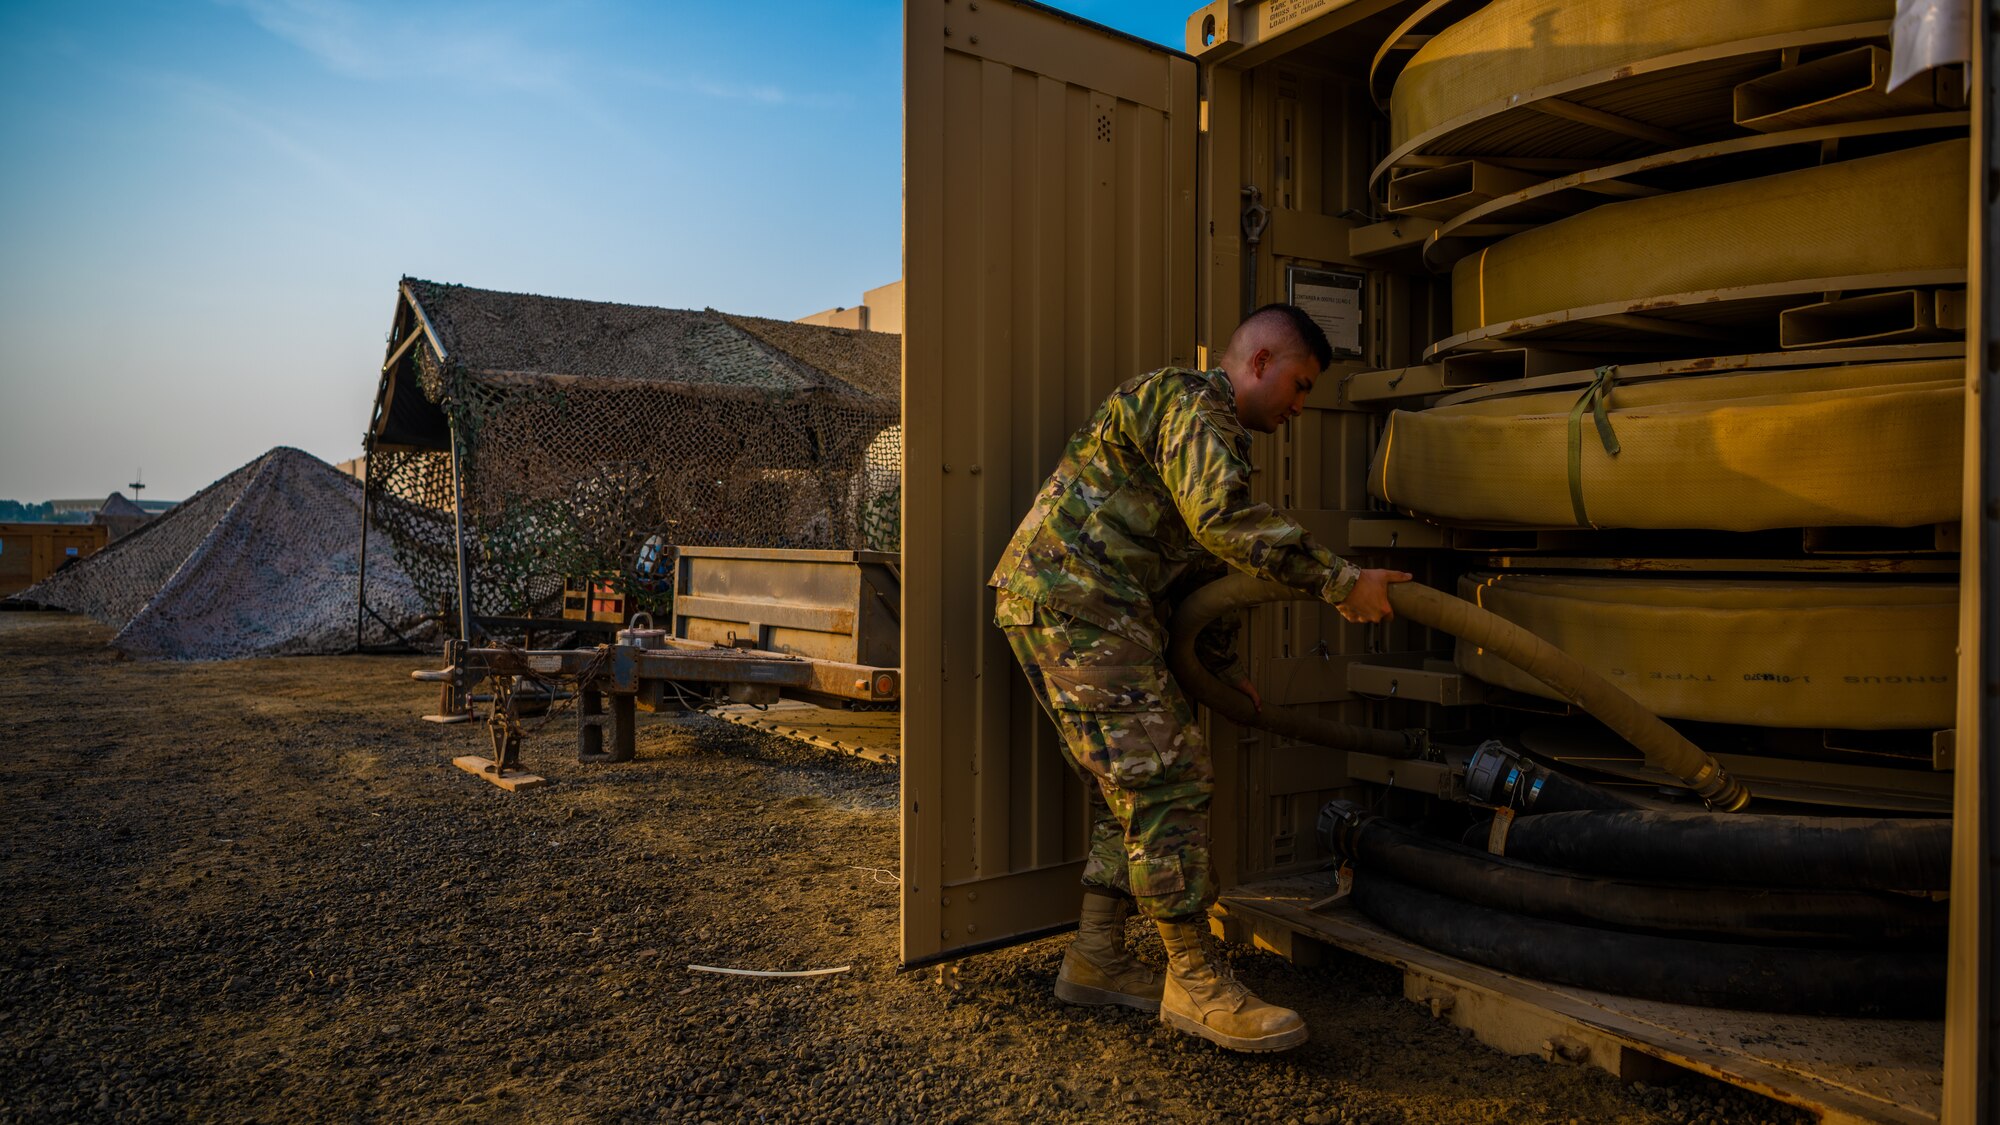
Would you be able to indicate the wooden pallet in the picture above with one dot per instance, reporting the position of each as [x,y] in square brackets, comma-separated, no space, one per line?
[1846,1070]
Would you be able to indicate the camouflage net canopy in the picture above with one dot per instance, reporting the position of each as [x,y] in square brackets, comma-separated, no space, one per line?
[587,428]
[263,562]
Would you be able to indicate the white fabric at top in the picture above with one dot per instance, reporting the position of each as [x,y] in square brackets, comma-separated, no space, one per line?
[1929,34]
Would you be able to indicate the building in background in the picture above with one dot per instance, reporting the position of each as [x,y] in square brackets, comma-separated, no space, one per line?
[880,310]
[73,511]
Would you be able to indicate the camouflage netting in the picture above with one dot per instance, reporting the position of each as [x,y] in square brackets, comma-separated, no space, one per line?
[587,428]
[261,563]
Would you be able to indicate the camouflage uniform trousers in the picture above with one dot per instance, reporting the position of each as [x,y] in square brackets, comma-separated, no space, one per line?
[1126,726]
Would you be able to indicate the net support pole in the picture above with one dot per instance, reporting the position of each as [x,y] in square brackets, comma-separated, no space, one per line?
[458,535]
[361,575]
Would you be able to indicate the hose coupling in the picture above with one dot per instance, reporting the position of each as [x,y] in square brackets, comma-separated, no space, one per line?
[1493,774]
[1419,741]
[1725,793]
[1498,775]
[1717,789]
[1340,827]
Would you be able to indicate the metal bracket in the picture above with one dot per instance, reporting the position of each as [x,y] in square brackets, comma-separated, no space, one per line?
[1256,217]
[593,721]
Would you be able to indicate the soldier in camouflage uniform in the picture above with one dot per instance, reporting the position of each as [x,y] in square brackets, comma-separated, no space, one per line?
[1151,500]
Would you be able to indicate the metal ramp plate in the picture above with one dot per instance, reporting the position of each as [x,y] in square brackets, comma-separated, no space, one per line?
[1846,1070]
[874,735]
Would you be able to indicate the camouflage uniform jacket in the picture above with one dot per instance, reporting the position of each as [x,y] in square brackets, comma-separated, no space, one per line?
[1152,497]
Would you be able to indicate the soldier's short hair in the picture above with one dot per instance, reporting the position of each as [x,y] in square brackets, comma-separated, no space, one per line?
[1301,326]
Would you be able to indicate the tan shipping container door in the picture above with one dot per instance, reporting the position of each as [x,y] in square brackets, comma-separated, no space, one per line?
[1049,255]
[1972,1011]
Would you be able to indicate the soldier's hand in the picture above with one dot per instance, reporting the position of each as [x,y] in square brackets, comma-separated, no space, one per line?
[1247,688]
[1369,600]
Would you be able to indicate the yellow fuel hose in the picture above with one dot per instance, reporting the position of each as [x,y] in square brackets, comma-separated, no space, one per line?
[1773,651]
[1663,746]
[1203,686]
[1521,46]
[1863,445]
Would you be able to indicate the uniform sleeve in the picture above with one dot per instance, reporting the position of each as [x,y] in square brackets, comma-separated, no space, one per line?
[1210,485]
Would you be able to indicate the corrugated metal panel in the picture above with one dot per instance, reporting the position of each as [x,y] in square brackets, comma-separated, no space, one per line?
[1049,229]
[1972,1013]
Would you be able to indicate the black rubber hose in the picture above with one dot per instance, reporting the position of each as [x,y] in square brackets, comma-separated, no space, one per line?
[1811,917]
[1497,775]
[1876,853]
[1663,746]
[1545,789]
[1711,974]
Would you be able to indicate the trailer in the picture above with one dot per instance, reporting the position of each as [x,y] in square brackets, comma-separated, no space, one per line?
[751,627]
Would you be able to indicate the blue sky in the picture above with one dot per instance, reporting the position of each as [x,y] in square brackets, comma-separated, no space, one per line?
[206,203]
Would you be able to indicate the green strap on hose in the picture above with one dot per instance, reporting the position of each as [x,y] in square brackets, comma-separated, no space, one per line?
[1596,398]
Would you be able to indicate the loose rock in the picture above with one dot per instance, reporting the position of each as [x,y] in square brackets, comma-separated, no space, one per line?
[222,911]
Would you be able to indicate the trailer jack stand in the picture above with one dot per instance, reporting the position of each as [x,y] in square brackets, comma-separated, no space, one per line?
[503,727]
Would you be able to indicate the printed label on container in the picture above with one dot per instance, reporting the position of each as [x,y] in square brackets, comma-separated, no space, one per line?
[1333,300]
[1282,12]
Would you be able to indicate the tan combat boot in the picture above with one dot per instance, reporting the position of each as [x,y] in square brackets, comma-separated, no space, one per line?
[1202,1001]
[1097,968]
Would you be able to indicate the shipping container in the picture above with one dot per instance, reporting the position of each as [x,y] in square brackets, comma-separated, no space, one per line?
[30,552]
[1714,217]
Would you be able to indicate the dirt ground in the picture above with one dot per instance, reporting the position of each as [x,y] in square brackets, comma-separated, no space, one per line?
[258,891]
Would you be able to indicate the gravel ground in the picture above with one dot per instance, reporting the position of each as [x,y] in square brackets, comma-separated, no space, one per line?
[258,891]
